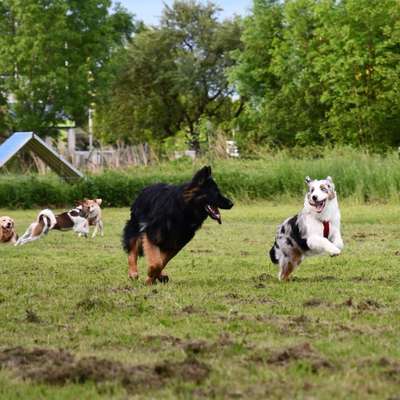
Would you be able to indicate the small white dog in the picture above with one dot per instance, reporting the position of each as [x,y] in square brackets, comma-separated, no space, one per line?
[315,230]
[75,219]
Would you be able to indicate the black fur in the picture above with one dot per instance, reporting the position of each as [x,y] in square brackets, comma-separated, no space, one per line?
[272,255]
[170,215]
[296,235]
[289,242]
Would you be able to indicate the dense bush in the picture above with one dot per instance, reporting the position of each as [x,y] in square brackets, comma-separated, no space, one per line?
[320,72]
[358,175]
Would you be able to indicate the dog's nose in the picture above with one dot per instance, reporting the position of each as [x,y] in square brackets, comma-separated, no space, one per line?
[9,225]
[315,198]
[230,204]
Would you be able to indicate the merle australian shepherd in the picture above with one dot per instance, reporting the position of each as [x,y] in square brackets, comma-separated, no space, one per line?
[164,218]
[315,230]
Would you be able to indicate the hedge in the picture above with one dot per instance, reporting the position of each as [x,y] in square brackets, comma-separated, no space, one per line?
[357,175]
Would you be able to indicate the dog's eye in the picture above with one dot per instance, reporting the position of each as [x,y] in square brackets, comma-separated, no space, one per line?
[312,189]
[324,188]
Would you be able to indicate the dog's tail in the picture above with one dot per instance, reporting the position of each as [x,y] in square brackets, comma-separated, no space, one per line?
[132,232]
[47,220]
[272,254]
[44,222]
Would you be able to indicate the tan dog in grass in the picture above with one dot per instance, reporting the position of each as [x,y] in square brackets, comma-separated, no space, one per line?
[94,216]
[7,230]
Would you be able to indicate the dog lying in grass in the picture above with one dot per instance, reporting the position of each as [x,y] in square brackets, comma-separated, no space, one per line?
[7,230]
[46,220]
[164,218]
[315,230]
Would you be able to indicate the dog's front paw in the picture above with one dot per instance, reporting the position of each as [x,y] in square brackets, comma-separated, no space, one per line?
[339,245]
[335,252]
[150,281]
[133,275]
[163,278]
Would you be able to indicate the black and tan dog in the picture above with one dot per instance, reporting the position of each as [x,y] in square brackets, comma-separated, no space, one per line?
[164,218]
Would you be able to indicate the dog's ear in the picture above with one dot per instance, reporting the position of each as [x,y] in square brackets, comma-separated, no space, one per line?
[307,180]
[201,176]
[330,183]
[99,201]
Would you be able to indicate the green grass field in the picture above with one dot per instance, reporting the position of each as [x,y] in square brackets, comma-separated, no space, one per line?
[73,327]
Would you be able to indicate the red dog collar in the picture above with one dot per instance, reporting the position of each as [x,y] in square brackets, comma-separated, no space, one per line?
[326,228]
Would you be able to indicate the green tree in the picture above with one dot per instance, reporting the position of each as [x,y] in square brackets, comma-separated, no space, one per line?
[359,69]
[143,103]
[174,75]
[52,56]
[320,71]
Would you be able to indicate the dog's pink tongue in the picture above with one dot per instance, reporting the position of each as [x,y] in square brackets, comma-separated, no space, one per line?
[214,213]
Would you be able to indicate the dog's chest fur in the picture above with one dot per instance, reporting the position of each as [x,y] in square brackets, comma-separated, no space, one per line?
[94,216]
[293,233]
[7,235]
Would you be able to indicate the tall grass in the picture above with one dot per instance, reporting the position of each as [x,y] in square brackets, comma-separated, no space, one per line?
[358,175]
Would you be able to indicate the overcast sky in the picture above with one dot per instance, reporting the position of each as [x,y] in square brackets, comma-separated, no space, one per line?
[150,10]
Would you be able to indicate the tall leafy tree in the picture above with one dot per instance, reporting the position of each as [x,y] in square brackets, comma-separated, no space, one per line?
[359,70]
[52,54]
[323,71]
[174,75]
[143,103]
[202,56]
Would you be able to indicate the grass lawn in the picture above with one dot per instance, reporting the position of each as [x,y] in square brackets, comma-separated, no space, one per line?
[73,327]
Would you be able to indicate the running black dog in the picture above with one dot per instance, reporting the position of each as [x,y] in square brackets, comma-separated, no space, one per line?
[164,218]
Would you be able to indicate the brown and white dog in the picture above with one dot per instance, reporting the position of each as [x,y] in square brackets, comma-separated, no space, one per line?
[7,230]
[94,216]
[75,219]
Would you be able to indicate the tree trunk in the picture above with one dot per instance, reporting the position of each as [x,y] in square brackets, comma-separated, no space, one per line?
[193,139]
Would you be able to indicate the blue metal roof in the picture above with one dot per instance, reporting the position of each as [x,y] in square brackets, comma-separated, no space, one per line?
[30,141]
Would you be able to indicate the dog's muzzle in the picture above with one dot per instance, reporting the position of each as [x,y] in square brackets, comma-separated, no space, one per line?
[318,205]
[214,213]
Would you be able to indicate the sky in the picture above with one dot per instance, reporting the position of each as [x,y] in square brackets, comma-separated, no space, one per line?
[149,11]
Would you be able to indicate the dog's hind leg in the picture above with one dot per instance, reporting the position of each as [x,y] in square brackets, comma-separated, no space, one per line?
[132,258]
[166,257]
[156,260]
[288,264]
[25,237]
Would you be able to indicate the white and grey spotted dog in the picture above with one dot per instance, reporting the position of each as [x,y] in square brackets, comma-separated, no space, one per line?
[315,230]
